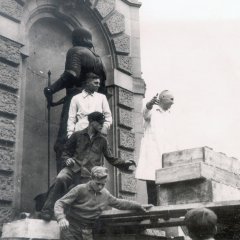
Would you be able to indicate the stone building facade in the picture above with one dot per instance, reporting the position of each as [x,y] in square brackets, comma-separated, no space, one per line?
[34,38]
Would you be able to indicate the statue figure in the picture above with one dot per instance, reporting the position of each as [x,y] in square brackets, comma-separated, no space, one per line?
[80,60]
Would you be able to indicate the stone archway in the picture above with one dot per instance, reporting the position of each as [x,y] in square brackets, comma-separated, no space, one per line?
[48,39]
[115,28]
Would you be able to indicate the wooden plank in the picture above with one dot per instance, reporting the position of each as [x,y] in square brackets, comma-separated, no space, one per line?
[179,173]
[201,154]
[221,160]
[198,170]
[183,157]
[226,211]
[220,175]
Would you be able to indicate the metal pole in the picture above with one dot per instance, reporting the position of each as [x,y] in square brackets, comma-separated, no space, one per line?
[49,118]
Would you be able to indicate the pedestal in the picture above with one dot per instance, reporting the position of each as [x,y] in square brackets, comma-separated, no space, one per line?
[31,229]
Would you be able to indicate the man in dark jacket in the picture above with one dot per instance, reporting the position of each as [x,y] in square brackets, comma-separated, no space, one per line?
[83,151]
[85,203]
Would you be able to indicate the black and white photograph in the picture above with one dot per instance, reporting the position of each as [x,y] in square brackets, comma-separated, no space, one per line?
[119,119]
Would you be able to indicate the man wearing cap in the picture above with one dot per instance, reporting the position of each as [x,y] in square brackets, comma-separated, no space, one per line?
[85,203]
[82,152]
[155,141]
[201,224]
[86,102]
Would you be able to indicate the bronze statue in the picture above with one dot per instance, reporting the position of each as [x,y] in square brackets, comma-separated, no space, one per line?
[80,60]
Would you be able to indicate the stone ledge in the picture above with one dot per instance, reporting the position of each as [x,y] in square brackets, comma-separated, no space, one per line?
[31,228]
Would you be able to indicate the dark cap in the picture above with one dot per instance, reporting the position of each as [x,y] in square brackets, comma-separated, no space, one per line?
[201,222]
[96,116]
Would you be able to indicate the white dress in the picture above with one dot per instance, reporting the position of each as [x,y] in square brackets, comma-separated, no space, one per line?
[154,142]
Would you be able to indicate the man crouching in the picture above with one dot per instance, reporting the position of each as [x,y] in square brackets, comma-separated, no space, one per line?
[85,203]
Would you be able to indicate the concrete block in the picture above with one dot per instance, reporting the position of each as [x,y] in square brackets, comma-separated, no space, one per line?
[31,228]
[196,191]
[198,170]
[202,154]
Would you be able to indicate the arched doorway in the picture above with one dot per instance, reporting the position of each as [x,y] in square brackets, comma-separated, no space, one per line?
[49,41]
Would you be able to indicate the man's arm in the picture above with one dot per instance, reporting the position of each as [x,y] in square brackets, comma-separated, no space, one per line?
[107,113]
[121,164]
[72,117]
[60,205]
[147,109]
[123,204]
[69,147]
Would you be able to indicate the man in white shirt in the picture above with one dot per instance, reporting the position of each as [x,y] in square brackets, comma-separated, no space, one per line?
[86,102]
[156,116]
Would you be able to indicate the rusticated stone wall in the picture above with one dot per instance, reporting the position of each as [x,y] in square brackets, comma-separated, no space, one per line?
[119,23]
[9,83]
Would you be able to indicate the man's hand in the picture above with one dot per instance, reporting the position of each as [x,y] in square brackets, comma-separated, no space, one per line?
[48,94]
[70,162]
[145,208]
[130,165]
[153,101]
[63,224]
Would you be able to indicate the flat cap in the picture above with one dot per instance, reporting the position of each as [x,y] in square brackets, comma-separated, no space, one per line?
[99,172]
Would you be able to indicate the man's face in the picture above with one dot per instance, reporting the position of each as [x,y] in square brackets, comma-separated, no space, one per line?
[97,184]
[166,100]
[97,126]
[92,85]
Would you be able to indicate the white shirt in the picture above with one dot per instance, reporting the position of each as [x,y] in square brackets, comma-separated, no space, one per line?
[82,105]
[154,143]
